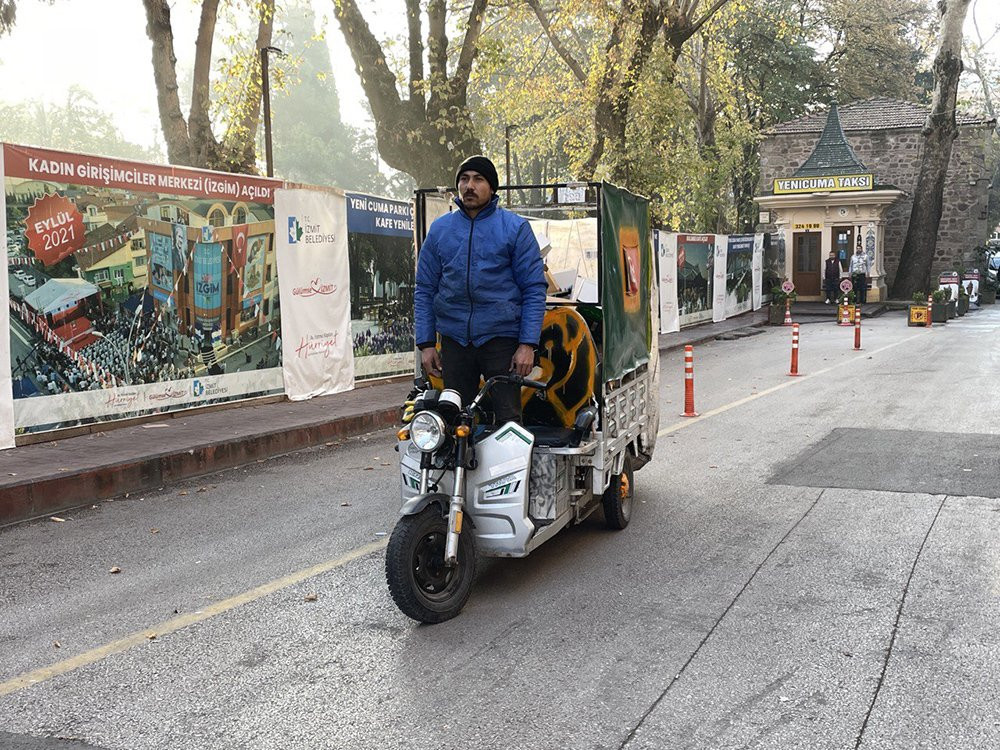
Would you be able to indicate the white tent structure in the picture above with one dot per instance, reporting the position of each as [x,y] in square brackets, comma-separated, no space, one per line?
[56,295]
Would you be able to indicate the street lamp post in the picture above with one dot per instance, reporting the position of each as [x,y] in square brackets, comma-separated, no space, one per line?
[265,84]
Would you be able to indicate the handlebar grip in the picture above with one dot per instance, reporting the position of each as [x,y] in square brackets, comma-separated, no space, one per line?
[530,383]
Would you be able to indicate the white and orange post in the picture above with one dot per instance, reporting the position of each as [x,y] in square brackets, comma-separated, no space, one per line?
[795,350]
[930,302]
[857,328]
[788,313]
[689,382]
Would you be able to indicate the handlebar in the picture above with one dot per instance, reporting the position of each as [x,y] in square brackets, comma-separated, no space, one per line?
[512,379]
[518,380]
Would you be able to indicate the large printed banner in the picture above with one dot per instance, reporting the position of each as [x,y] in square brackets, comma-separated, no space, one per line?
[626,276]
[128,299]
[694,277]
[709,276]
[739,277]
[314,278]
[758,271]
[6,377]
[719,278]
[666,246]
[380,248]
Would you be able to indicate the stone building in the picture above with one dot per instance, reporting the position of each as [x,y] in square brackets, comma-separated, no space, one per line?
[879,138]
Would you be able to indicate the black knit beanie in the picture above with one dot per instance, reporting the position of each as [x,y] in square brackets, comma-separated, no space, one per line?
[484,166]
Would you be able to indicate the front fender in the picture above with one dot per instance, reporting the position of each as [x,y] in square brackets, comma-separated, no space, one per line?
[418,502]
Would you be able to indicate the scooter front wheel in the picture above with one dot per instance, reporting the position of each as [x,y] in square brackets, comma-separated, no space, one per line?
[422,586]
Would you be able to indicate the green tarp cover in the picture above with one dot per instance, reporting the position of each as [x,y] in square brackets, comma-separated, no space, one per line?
[625,283]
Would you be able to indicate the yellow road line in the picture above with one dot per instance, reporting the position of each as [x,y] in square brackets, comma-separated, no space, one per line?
[768,391]
[177,623]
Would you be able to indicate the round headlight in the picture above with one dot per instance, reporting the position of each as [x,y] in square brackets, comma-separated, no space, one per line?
[427,431]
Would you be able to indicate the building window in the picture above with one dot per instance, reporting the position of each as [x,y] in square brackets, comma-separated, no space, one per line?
[164,213]
[139,243]
[119,275]
[240,215]
[267,278]
[217,218]
[139,261]
[100,275]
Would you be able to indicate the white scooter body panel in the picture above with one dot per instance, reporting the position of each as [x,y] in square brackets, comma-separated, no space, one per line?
[496,490]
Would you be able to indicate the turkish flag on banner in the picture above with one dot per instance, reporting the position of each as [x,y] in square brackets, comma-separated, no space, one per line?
[54,228]
[238,252]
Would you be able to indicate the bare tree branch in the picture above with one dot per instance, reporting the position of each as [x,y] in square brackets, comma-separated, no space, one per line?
[557,44]
[239,141]
[472,31]
[416,45]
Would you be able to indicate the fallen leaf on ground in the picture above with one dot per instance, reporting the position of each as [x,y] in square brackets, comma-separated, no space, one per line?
[310,597]
[151,636]
[182,492]
[11,474]
[345,505]
[154,531]
[57,519]
[203,489]
[327,444]
[57,644]
[369,468]
[115,569]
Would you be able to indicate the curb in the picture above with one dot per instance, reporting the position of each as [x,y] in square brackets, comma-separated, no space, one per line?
[28,500]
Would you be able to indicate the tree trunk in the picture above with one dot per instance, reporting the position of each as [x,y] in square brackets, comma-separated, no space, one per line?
[626,55]
[917,257]
[161,34]
[429,133]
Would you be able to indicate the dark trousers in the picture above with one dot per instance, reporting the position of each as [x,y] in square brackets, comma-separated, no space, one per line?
[463,365]
[860,282]
[832,288]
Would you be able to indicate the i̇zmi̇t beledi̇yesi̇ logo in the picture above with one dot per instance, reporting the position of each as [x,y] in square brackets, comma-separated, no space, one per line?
[307,232]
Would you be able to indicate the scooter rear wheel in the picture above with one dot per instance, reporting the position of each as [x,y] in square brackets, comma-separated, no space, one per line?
[617,498]
[422,586]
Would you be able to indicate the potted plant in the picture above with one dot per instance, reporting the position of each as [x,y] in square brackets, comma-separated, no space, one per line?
[776,312]
[950,305]
[987,293]
[963,301]
[939,306]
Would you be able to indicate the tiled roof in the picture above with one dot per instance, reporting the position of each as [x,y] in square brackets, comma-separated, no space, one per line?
[873,114]
[832,154]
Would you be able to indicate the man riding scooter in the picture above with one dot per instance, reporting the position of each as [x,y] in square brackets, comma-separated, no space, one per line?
[480,284]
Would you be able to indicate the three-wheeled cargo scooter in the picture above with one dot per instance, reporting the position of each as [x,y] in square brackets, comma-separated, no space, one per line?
[471,488]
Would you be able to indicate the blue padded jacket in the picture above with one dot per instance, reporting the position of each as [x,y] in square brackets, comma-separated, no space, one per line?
[480,278]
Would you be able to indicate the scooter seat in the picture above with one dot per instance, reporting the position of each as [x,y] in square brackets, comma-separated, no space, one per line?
[551,437]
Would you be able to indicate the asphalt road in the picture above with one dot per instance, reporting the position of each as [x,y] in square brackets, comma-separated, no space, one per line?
[793,577]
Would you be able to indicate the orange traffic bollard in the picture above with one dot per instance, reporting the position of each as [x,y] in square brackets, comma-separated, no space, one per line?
[689,382]
[930,301]
[857,329]
[788,313]
[795,350]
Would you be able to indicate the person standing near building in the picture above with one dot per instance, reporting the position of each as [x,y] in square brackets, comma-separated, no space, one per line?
[480,284]
[860,270]
[831,277]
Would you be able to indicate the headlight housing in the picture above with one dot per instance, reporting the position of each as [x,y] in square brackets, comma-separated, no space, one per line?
[427,431]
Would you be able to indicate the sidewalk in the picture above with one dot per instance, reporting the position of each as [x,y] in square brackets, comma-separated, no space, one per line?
[45,478]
